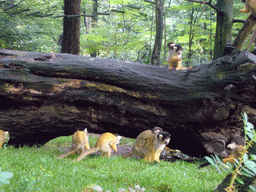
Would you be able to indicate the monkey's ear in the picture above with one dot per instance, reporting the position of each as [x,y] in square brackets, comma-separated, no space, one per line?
[171,45]
[157,130]
[6,132]
[160,136]
[85,130]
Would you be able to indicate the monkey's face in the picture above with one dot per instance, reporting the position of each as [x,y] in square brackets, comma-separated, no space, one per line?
[178,49]
[232,145]
[175,49]
[165,137]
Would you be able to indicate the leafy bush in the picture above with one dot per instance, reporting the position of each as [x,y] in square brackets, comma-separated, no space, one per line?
[244,168]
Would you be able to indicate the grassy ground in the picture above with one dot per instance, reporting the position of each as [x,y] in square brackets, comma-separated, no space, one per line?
[37,169]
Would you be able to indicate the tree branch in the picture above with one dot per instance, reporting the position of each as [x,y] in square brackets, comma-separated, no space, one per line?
[206,3]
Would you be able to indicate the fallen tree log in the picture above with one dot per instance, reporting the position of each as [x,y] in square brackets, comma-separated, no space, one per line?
[44,96]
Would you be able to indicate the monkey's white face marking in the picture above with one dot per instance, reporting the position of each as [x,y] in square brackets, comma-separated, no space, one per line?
[232,145]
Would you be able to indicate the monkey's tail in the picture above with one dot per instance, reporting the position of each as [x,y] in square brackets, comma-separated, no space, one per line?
[90,151]
[72,150]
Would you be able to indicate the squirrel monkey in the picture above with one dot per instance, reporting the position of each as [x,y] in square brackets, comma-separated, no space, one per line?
[174,58]
[3,137]
[235,150]
[79,142]
[250,7]
[150,143]
[143,141]
[104,144]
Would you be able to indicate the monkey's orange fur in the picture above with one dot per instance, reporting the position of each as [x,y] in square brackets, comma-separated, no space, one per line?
[236,151]
[104,144]
[79,143]
[3,137]
[149,144]
[174,57]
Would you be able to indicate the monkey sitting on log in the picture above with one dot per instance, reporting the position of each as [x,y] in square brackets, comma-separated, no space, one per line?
[79,143]
[174,57]
[3,137]
[149,144]
[104,144]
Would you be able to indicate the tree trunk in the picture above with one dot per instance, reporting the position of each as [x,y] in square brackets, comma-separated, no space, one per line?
[224,26]
[94,21]
[244,32]
[44,96]
[71,27]
[155,59]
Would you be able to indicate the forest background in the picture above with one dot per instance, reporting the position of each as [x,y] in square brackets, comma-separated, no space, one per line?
[125,29]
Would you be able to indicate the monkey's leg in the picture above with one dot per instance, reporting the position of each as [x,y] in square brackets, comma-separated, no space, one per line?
[113,146]
[229,159]
[150,157]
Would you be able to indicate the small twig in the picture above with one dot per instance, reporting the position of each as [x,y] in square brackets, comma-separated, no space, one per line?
[238,21]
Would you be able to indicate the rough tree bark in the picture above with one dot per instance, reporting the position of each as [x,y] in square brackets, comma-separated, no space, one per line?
[44,96]
[224,26]
[159,8]
[71,27]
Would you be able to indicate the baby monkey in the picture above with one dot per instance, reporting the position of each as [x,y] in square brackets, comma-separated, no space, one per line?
[150,143]
[3,137]
[79,142]
[104,144]
[174,58]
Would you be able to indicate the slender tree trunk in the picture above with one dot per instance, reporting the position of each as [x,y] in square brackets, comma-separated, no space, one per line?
[71,27]
[224,26]
[155,59]
[191,35]
[94,20]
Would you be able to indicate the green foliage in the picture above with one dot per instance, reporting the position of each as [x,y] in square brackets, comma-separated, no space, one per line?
[243,166]
[4,176]
[35,181]
[30,32]
[129,36]
[37,169]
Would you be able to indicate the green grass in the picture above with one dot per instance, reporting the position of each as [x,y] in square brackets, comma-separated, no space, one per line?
[37,169]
